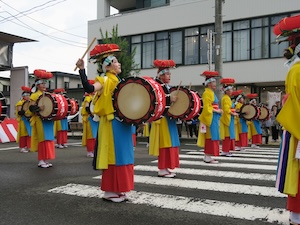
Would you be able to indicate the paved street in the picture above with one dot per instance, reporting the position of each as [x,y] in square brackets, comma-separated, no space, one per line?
[239,190]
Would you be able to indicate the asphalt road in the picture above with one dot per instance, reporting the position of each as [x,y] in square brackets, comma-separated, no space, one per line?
[240,190]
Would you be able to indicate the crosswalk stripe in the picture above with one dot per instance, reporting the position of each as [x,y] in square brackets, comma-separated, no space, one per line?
[232,158]
[208,185]
[240,155]
[214,173]
[188,204]
[267,152]
[227,165]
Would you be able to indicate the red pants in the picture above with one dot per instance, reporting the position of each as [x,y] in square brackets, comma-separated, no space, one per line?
[257,139]
[228,144]
[212,147]
[46,150]
[168,158]
[62,137]
[117,178]
[90,144]
[243,142]
[24,142]
[134,139]
[293,203]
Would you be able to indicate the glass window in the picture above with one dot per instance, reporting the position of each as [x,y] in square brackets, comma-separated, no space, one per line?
[260,43]
[137,47]
[162,45]
[227,46]
[176,46]
[191,53]
[241,25]
[241,42]
[204,54]
[205,28]
[227,26]
[148,50]
[277,49]
[261,22]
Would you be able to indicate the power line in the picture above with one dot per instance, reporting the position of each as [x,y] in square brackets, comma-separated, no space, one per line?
[39,21]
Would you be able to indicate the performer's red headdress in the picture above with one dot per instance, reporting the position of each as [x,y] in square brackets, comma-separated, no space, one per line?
[227,83]
[209,76]
[163,65]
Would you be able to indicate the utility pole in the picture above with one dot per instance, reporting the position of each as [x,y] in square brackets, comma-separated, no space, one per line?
[218,43]
[209,40]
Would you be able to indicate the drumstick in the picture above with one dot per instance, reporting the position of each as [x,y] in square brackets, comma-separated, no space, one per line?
[190,86]
[86,51]
[177,91]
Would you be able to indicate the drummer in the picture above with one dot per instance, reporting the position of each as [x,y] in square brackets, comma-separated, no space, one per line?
[164,139]
[209,129]
[114,146]
[227,130]
[90,126]
[61,127]
[242,127]
[24,129]
[42,139]
[254,126]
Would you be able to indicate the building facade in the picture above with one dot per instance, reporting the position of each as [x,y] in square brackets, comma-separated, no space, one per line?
[177,29]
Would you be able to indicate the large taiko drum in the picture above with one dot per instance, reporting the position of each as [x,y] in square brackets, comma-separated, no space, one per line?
[3,107]
[139,99]
[264,113]
[55,106]
[188,104]
[25,108]
[73,106]
[250,112]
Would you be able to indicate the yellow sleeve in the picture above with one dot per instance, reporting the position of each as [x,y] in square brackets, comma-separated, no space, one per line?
[226,107]
[207,112]
[289,113]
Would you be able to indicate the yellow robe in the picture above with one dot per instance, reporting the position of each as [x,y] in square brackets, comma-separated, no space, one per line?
[225,119]
[206,116]
[237,124]
[288,117]
[22,131]
[87,130]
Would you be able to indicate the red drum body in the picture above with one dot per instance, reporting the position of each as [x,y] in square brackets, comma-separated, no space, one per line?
[250,112]
[55,106]
[139,99]
[73,106]
[188,104]
[3,107]
[264,113]
[25,107]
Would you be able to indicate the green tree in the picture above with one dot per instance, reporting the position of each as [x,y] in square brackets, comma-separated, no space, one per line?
[129,67]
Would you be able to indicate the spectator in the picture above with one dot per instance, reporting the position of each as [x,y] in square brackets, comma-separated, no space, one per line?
[274,123]
[179,126]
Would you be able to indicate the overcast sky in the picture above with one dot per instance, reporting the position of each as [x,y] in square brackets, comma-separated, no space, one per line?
[59,26]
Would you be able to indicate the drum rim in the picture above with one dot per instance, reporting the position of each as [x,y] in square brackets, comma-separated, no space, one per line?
[249,104]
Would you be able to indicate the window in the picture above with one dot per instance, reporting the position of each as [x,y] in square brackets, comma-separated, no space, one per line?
[176,46]
[227,42]
[260,38]
[241,40]
[162,45]
[191,51]
[137,46]
[79,85]
[148,50]
[5,88]
[66,85]
[277,50]
[49,84]
[154,3]
[204,44]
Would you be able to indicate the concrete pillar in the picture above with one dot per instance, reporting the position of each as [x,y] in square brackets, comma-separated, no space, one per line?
[103,9]
[18,78]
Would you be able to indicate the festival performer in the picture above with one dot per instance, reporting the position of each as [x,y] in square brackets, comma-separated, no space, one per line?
[242,127]
[61,127]
[114,146]
[42,139]
[288,171]
[254,126]
[227,129]
[24,129]
[164,139]
[209,129]
[90,126]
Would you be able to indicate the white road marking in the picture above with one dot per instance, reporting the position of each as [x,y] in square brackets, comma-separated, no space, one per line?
[213,173]
[208,185]
[241,155]
[227,165]
[195,205]
[9,148]
[232,158]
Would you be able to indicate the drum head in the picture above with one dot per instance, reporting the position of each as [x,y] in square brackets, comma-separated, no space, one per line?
[48,106]
[249,111]
[25,107]
[264,113]
[181,105]
[134,101]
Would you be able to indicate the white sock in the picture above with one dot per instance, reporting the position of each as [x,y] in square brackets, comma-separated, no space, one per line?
[295,217]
